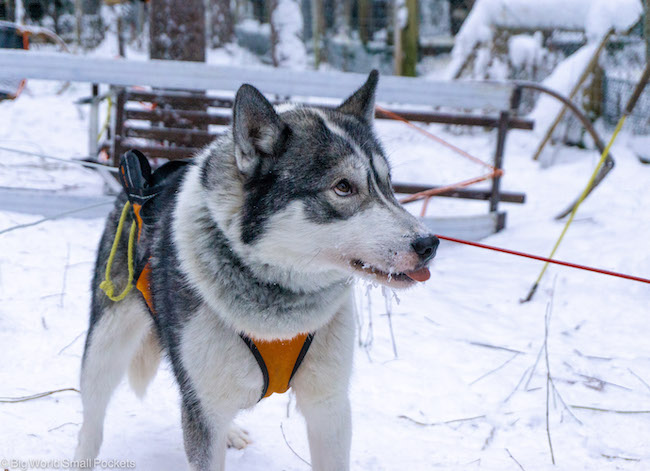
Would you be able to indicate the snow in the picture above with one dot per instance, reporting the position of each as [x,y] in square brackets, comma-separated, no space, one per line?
[526,51]
[465,345]
[289,49]
[562,80]
[595,17]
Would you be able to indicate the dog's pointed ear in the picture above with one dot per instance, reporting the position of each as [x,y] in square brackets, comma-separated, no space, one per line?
[362,102]
[256,127]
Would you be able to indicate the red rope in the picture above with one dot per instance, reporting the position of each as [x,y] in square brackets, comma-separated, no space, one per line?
[544,259]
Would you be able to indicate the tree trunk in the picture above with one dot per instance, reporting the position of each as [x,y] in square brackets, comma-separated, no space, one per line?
[273,5]
[177,30]
[318,26]
[646,28]
[399,7]
[220,22]
[364,15]
[410,35]
[10,10]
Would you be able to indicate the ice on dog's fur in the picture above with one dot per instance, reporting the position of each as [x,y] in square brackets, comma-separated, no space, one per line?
[260,235]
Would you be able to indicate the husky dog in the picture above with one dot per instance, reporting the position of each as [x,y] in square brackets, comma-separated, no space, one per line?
[260,234]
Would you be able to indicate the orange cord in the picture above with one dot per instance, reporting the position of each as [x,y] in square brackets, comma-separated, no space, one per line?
[439,140]
[427,194]
[23,82]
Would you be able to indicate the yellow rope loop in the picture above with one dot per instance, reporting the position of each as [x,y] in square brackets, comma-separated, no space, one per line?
[107,285]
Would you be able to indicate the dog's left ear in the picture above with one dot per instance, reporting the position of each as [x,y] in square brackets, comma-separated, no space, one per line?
[257,129]
[362,102]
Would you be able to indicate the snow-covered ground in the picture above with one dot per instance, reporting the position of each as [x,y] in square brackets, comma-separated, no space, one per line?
[466,390]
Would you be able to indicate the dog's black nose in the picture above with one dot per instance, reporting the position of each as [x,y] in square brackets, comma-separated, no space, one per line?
[426,247]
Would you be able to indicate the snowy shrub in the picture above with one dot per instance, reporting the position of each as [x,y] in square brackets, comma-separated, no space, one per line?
[287,24]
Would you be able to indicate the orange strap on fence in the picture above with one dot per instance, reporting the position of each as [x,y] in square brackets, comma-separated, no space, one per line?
[436,191]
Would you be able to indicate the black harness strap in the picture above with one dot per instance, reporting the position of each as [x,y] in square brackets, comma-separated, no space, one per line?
[260,361]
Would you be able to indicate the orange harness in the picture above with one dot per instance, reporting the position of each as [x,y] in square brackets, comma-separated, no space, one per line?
[278,360]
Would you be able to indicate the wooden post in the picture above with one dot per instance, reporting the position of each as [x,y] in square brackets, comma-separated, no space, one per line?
[364,15]
[93,121]
[397,37]
[502,133]
[78,12]
[410,36]
[646,28]
[10,10]
[317,27]
[118,124]
[120,34]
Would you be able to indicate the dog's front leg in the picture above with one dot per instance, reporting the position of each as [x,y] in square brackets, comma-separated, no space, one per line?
[205,437]
[329,431]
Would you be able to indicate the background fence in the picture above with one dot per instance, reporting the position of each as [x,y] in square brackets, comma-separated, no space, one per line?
[616,92]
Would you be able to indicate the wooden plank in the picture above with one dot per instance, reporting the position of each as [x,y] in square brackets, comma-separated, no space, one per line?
[158,152]
[284,82]
[463,193]
[183,137]
[498,159]
[173,98]
[455,118]
[180,116]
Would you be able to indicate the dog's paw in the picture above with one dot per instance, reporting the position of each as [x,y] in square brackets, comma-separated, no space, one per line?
[238,437]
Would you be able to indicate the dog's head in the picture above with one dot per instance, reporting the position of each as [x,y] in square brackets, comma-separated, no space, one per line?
[316,192]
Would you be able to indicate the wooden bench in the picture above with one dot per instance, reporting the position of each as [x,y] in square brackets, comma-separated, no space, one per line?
[175,124]
[186,103]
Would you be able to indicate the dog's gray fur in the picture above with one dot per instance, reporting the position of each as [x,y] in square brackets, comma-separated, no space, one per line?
[258,235]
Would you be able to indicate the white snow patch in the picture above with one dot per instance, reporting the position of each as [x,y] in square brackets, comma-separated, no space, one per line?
[526,51]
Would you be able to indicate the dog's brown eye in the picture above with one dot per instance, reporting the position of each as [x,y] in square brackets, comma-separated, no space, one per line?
[343,188]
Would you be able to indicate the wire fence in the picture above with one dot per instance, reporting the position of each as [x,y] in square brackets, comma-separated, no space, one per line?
[616,92]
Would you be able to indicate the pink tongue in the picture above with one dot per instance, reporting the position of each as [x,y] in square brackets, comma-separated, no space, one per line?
[423,274]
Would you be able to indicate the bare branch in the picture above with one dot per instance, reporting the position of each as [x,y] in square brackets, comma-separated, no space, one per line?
[547,317]
[494,370]
[65,275]
[389,311]
[446,422]
[639,378]
[515,460]
[70,344]
[291,448]
[614,457]
[496,347]
[12,400]
[63,425]
[614,411]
